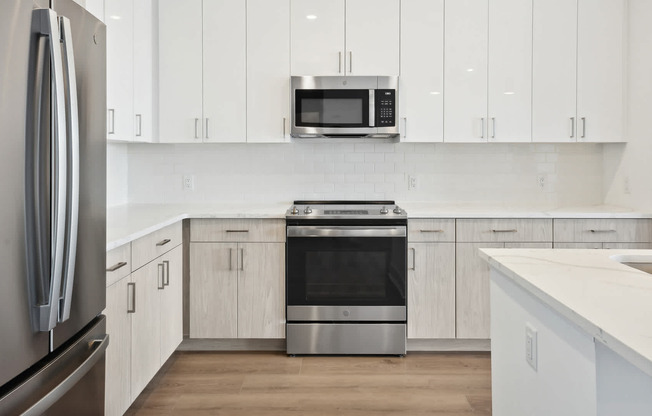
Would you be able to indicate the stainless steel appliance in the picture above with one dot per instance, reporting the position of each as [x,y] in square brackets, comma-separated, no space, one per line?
[344,107]
[53,208]
[346,277]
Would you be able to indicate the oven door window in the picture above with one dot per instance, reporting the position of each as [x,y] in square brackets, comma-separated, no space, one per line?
[332,108]
[346,271]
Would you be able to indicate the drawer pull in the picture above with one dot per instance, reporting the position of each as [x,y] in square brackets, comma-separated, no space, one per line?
[163,242]
[514,230]
[237,231]
[431,231]
[602,231]
[117,266]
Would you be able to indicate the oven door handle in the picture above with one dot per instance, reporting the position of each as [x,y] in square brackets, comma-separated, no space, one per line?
[346,231]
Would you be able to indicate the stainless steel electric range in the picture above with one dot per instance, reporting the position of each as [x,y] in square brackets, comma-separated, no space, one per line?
[346,277]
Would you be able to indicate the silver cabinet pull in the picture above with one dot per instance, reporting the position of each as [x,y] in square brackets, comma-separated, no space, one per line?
[161,286]
[602,231]
[206,134]
[414,259]
[132,308]
[404,127]
[196,128]
[139,124]
[166,270]
[237,231]
[513,230]
[339,68]
[163,242]
[111,121]
[572,127]
[230,259]
[583,127]
[350,62]
[242,259]
[431,231]
[493,127]
[482,130]
[116,266]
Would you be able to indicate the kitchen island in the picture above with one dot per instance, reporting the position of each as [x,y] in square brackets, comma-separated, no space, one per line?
[571,332]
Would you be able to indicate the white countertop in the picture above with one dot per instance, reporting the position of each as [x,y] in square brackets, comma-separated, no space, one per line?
[610,301]
[126,223]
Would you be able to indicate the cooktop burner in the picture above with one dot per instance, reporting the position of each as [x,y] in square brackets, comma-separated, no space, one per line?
[345,210]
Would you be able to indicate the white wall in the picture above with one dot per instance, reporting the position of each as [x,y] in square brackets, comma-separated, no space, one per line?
[471,173]
[117,183]
[632,162]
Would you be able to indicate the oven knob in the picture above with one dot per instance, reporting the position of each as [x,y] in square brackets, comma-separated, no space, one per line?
[295,210]
[384,210]
[308,210]
[397,210]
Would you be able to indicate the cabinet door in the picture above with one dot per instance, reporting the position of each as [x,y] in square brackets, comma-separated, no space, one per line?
[600,62]
[146,326]
[510,71]
[143,69]
[554,71]
[422,70]
[180,71]
[119,69]
[118,354]
[213,290]
[317,29]
[372,37]
[261,290]
[472,290]
[225,70]
[596,246]
[96,7]
[268,70]
[171,303]
[465,71]
[431,290]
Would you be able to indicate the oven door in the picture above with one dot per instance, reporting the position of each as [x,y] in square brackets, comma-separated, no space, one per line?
[346,273]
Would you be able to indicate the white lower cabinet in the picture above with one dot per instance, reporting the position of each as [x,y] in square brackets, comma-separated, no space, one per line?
[118,354]
[237,279]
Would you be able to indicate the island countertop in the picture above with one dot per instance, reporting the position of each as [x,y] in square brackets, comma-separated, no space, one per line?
[591,288]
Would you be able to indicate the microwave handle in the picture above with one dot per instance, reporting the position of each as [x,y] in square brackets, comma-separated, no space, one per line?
[372,108]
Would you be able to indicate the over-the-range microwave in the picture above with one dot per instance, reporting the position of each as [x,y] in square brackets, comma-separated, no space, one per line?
[344,107]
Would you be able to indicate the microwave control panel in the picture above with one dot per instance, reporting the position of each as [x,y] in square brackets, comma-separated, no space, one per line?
[385,108]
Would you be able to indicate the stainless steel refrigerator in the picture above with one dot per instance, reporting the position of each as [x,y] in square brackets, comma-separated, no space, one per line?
[52,208]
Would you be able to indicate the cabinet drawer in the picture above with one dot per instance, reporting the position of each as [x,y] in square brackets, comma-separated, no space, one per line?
[504,229]
[236,230]
[118,264]
[603,230]
[147,248]
[431,230]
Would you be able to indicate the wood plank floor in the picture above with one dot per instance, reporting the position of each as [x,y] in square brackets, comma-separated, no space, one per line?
[271,383]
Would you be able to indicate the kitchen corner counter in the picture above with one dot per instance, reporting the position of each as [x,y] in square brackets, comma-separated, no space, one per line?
[590,288]
[126,223]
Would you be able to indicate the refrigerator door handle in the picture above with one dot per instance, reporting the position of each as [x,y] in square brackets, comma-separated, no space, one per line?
[72,177]
[45,230]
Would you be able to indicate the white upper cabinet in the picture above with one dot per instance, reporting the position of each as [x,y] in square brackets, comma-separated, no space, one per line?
[600,70]
[96,8]
[510,71]
[554,72]
[180,71]
[268,70]
[119,16]
[422,71]
[224,71]
[143,68]
[465,70]
[317,39]
[345,37]
[372,37]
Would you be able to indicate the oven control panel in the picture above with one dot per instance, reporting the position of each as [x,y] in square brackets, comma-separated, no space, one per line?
[385,107]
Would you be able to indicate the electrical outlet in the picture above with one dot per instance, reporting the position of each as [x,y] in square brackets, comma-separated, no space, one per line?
[188,182]
[541,181]
[531,346]
[412,182]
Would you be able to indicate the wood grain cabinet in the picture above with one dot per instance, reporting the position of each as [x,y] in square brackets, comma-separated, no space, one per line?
[431,278]
[472,272]
[144,316]
[237,279]
[599,233]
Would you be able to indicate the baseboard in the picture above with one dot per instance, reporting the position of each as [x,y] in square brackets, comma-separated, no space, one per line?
[414,345]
